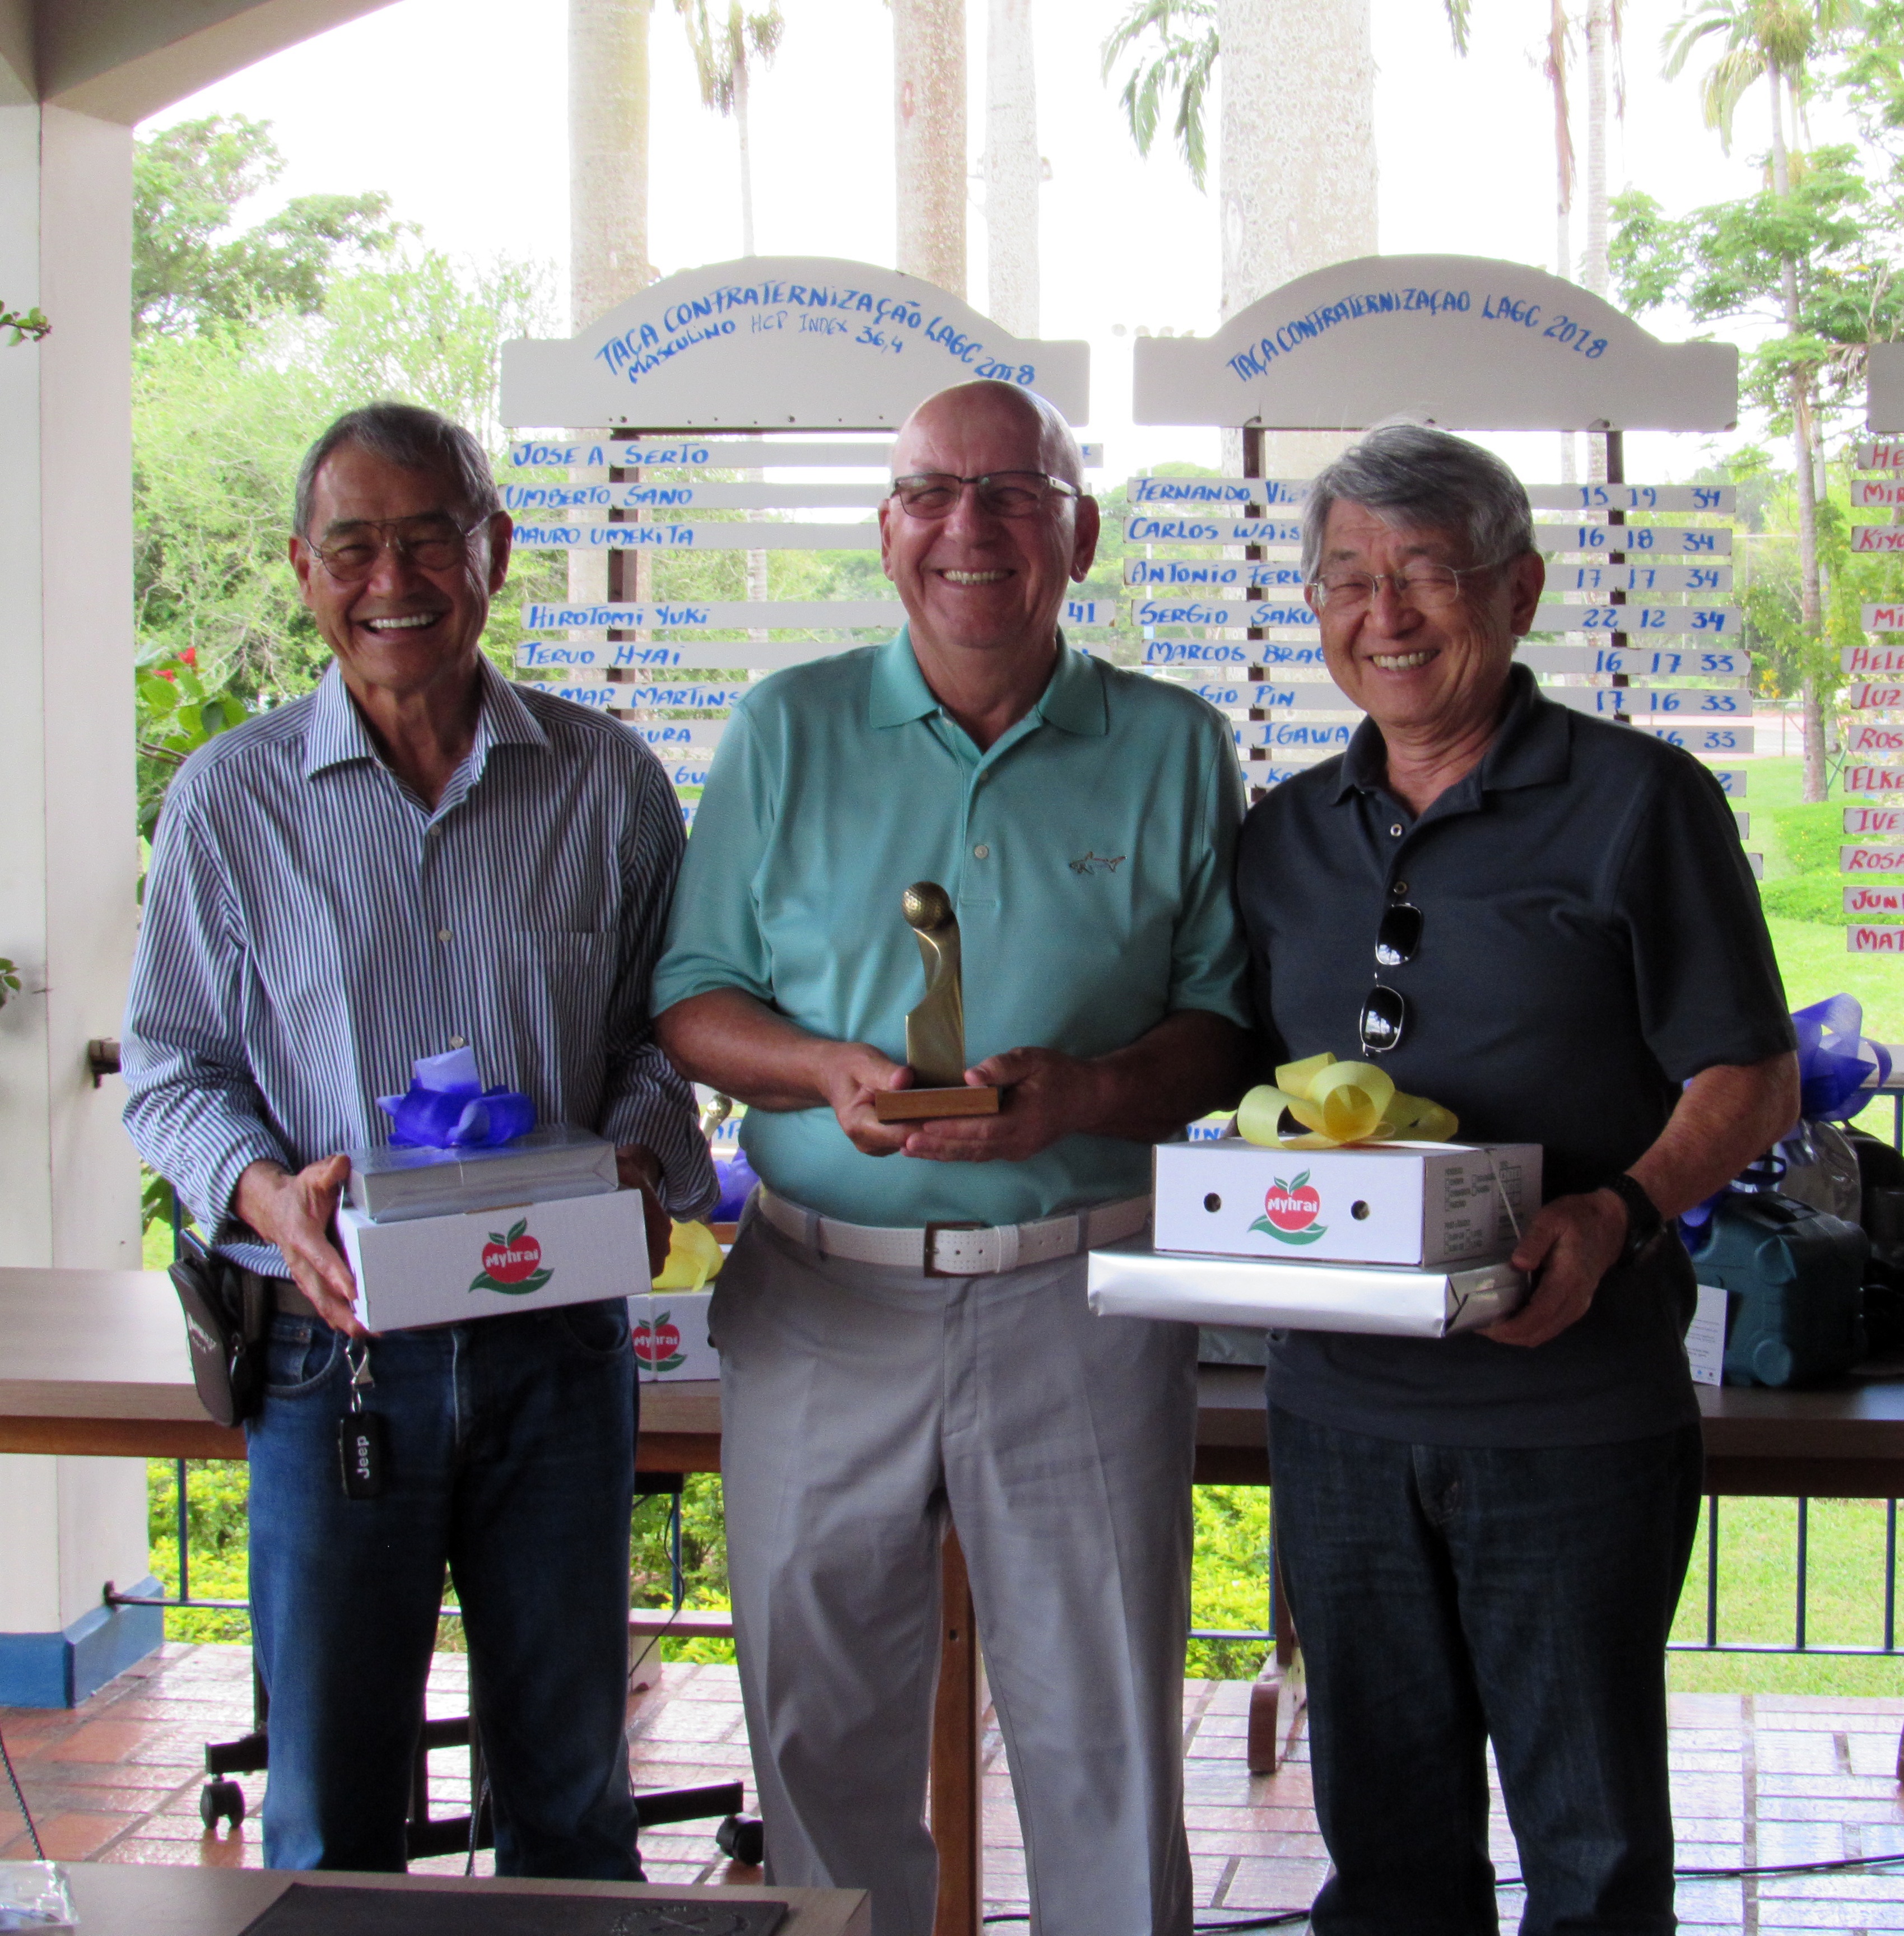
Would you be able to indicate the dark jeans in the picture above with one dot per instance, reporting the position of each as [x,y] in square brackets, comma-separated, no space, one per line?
[511,1464]
[1446,1595]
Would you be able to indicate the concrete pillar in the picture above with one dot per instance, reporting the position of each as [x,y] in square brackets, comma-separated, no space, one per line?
[69,858]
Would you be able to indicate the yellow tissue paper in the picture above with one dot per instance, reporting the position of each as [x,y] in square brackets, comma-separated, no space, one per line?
[694,1257]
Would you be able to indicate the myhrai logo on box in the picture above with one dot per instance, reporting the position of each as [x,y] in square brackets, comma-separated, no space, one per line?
[1290,1212]
[509,1263]
[658,1345]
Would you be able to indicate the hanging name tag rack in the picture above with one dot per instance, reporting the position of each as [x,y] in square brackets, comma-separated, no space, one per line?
[1872,774]
[1633,620]
[713,384]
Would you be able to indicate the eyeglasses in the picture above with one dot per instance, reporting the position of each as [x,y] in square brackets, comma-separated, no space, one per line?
[430,544]
[1427,588]
[1385,1013]
[1001,494]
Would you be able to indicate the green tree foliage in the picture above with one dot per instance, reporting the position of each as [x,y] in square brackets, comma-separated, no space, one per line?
[251,345]
[190,271]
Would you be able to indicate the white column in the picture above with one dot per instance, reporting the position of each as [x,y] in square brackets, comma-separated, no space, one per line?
[68,858]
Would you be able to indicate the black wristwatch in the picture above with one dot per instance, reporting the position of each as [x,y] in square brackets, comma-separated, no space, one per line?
[1643,1220]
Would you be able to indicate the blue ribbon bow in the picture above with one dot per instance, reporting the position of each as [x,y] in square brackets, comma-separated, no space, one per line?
[1835,1062]
[446,1107]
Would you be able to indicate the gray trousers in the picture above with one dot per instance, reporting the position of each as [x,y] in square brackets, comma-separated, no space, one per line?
[862,1405]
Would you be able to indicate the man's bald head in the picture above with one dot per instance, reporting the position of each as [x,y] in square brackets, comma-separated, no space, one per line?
[1051,447]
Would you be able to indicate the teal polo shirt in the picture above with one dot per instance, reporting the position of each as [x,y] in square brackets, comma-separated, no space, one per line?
[1088,853]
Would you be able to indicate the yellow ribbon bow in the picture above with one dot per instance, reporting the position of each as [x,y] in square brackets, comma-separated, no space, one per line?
[1339,1103]
[694,1255]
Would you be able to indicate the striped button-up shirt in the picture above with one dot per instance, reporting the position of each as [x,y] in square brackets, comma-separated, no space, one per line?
[312,928]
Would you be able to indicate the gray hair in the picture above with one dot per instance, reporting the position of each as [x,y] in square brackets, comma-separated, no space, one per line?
[413,438]
[1412,474]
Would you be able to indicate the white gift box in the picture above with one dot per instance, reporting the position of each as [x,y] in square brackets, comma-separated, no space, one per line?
[669,1328]
[478,1263]
[1422,1204]
[1132,1281]
[390,1185]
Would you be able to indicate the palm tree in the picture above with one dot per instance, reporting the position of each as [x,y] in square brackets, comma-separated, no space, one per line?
[1772,41]
[608,154]
[1559,36]
[1012,168]
[1288,204]
[928,128]
[608,205]
[725,49]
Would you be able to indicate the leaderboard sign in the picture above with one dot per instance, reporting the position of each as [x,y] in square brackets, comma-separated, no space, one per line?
[801,352]
[1475,345]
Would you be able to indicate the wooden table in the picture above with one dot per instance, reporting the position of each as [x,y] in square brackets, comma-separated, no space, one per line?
[135,1899]
[95,1361]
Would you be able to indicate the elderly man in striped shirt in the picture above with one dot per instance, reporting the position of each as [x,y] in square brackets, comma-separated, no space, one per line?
[416,857]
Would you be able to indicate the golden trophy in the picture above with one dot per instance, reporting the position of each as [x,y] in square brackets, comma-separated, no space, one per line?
[935,1030]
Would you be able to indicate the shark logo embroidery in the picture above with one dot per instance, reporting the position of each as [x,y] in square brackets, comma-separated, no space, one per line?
[1109,863]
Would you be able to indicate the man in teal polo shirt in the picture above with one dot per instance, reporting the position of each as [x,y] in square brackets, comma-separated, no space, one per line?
[902,1323]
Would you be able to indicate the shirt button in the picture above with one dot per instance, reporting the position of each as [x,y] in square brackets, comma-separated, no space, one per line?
[442,934]
[456,1042]
[981,852]
[1396,829]
[1398,889]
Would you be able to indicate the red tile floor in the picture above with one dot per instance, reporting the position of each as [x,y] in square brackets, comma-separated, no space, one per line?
[1756,1779]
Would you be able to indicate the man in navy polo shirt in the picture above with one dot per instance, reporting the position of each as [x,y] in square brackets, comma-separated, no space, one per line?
[1543,920]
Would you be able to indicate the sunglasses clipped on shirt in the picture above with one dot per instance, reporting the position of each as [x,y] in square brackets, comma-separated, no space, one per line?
[1385,1012]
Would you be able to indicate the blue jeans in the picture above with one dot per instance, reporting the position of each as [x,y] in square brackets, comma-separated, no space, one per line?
[512,1465]
[1447,1595]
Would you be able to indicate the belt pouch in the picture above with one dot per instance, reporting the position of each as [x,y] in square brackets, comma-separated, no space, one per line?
[228,1315]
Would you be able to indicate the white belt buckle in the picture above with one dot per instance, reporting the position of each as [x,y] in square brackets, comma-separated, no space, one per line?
[931,1248]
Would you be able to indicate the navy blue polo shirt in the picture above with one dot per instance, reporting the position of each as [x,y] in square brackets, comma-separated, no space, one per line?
[1592,939]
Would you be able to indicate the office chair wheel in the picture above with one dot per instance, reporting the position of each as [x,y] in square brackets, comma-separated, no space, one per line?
[221,1801]
[742,1838]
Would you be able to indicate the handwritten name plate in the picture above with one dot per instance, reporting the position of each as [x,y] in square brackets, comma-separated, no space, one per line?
[1732,781]
[627,656]
[1888,820]
[1711,621]
[1268,652]
[1721,498]
[599,463]
[1880,457]
[1646,702]
[1599,580]
[1865,740]
[1871,493]
[1862,860]
[1860,940]
[1640,661]
[1213,578]
[689,615]
[671,537]
[1199,612]
[1645,540]
[592,503]
[649,698]
[1877,537]
[1290,736]
[1703,739]
[1199,652]
[1877,618]
[1212,530]
[677,739]
[1874,897]
[1264,490]
[1878,781]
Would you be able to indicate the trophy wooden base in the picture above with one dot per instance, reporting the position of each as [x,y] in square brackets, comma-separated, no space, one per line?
[926,1106]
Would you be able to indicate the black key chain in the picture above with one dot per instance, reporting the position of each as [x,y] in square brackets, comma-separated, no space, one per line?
[362,1450]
